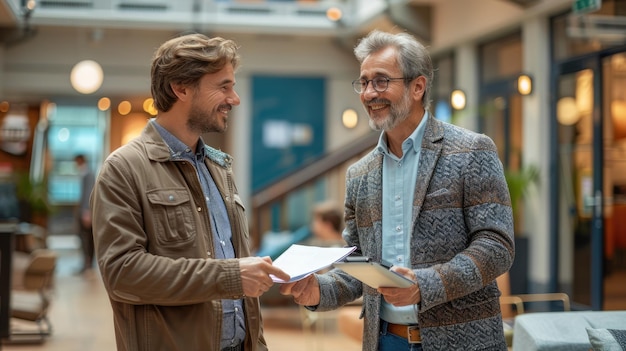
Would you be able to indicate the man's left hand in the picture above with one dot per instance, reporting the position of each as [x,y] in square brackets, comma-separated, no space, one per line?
[402,296]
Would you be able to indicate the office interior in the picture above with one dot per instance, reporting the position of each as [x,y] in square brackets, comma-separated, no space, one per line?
[546,79]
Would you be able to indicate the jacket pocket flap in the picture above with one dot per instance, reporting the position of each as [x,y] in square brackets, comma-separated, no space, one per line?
[168,197]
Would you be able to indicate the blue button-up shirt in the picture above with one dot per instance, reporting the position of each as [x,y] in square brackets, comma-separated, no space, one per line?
[399,179]
[233,324]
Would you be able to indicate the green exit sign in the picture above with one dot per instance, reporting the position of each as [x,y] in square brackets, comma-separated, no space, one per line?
[585,6]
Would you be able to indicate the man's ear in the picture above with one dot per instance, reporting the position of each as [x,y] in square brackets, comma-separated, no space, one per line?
[419,88]
[181,91]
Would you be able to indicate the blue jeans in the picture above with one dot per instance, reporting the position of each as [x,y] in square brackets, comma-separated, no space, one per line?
[391,342]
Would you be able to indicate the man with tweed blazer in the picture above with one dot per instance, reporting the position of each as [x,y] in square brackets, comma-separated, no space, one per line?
[431,199]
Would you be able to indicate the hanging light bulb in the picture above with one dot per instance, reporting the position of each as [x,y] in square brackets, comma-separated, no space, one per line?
[86,76]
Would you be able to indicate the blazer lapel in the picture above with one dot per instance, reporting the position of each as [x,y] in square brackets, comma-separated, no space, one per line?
[431,150]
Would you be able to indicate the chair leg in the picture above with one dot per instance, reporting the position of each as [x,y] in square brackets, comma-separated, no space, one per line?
[25,336]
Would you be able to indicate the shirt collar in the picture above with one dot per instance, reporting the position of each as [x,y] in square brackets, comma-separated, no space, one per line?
[177,147]
[414,140]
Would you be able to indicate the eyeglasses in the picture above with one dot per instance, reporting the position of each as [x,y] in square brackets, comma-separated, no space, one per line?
[380,84]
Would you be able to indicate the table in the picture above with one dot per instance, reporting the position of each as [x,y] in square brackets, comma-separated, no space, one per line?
[7,235]
[562,331]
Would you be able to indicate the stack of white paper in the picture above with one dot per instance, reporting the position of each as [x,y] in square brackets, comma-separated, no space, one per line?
[300,261]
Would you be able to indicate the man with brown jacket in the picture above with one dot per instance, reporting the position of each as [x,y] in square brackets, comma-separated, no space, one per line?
[171,234]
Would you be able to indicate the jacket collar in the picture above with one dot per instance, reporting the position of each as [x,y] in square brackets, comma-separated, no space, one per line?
[158,150]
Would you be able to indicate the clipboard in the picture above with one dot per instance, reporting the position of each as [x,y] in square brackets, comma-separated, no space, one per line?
[373,274]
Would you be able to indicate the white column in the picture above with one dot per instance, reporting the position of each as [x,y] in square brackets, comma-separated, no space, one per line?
[466,72]
[238,140]
[536,141]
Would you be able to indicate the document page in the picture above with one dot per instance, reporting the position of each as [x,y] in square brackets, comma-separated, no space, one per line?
[300,261]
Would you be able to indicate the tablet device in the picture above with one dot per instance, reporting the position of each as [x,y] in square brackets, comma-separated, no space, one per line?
[374,274]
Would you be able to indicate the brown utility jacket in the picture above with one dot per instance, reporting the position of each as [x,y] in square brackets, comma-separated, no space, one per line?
[156,253]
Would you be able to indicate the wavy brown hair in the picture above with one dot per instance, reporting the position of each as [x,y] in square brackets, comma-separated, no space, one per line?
[186,59]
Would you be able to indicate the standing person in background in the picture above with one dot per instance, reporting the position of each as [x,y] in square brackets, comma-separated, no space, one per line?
[171,232]
[83,214]
[432,200]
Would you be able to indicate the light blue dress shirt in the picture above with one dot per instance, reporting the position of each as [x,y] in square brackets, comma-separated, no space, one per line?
[399,179]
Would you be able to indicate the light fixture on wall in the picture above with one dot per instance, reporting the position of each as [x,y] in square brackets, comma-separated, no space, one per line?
[334,14]
[148,107]
[524,84]
[349,118]
[124,107]
[104,103]
[618,114]
[86,76]
[457,99]
[567,112]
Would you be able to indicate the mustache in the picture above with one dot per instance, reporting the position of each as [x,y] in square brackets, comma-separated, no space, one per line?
[378,101]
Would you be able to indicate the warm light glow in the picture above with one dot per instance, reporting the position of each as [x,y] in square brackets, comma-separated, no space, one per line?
[124,108]
[457,99]
[349,118]
[334,14]
[524,84]
[31,4]
[148,106]
[567,111]
[104,104]
[86,76]
[618,114]
[4,106]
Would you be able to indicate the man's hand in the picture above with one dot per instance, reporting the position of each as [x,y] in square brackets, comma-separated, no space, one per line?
[306,292]
[255,275]
[402,296]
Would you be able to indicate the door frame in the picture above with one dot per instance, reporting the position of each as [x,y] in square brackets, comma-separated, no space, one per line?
[591,61]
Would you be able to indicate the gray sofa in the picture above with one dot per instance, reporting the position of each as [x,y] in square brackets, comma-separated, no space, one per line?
[569,331]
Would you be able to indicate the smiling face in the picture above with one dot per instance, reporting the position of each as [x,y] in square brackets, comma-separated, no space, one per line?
[212,100]
[389,108]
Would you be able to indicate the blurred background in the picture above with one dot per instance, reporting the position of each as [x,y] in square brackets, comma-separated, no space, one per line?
[546,79]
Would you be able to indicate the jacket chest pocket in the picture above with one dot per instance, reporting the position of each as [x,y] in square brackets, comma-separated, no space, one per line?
[172,211]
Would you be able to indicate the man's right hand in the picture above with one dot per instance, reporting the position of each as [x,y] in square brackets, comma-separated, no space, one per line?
[306,292]
[255,275]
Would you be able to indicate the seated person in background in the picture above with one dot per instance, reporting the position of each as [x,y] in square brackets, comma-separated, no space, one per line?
[326,225]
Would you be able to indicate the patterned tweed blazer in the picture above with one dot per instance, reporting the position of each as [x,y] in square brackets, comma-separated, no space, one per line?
[462,239]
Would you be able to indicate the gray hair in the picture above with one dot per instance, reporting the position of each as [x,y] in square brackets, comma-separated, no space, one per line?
[413,58]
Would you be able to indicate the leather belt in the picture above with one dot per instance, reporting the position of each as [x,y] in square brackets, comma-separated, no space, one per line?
[234,348]
[409,332]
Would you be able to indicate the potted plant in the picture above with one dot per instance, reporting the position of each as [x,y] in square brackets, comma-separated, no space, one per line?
[519,181]
[33,198]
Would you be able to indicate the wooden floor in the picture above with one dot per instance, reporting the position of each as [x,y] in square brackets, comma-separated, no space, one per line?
[82,318]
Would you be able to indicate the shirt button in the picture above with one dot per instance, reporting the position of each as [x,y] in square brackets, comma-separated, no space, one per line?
[398,228]
[399,259]
[397,197]
[199,209]
[222,242]
[170,198]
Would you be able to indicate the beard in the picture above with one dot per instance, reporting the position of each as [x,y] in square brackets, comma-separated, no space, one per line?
[398,112]
[204,121]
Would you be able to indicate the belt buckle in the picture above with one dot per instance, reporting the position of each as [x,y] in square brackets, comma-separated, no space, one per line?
[413,333]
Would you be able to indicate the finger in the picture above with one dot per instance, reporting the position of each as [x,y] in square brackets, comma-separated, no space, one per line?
[278,273]
[285,289]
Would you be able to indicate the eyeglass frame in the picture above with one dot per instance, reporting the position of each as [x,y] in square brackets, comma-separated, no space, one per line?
[367,82]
